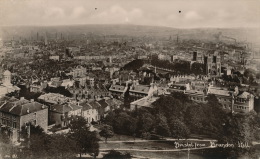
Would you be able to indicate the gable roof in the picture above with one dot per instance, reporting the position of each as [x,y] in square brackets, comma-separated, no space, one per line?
[64,108]
[103,103]
[244,95]
[20,107]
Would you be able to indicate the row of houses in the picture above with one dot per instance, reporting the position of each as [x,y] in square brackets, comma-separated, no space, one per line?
[50,109]
[134,89]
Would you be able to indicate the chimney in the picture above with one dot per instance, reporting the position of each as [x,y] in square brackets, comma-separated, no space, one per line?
[22,98]
[32,100]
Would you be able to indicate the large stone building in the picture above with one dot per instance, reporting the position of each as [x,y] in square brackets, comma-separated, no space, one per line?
[15,113]
[211,61]
[235,101]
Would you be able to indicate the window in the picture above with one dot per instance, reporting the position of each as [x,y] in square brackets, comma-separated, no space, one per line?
[3,121]
[14,124]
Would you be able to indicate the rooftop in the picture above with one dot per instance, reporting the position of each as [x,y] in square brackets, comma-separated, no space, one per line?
[218,91]
[145,102]
[19,107]
[140,88]
[64,108]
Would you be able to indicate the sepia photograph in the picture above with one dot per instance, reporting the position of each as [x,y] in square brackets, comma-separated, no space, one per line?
[129,79]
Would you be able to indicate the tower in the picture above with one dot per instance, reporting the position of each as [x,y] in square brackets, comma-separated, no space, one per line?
[7,78]
[213,64]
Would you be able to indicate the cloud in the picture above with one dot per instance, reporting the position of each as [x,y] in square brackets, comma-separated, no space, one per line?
[192,15]
[54,12]
[117,14]
[78,12]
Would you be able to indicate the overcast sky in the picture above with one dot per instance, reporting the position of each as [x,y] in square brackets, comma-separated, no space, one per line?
[194,13]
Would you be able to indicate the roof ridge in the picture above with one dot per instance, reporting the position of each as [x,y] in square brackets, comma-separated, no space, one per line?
[12,107]
[3,104]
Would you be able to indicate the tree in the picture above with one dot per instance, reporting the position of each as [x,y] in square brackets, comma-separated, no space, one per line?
[197,68]
[107,132]
[134,65]
[162,127]
[145,122]
[171,106]
[5,143]
[112,154]
[179,129]
[61,146]
[34,141]
[124,124]
[86,141]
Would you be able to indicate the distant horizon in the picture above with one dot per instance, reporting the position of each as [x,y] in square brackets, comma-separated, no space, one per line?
[69,25]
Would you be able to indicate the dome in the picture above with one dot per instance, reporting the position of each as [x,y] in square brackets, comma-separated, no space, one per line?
[7,73]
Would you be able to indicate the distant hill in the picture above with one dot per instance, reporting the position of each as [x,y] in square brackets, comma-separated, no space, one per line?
[240,34]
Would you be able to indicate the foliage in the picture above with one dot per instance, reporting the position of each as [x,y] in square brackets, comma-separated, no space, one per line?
[122,122]
[5,143]
[198,68]
[180,66]
[179,117]
[106,132]
[134,65]
[179,129]
[60,90]
[112,154]
[162,127]
[86,141]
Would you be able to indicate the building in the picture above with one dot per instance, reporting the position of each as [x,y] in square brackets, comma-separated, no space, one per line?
[53,98]
[16,113]
[223,95]
[244,102]
[197,96]
[38,86]
[79,71]
[56,58]
[213,64]
[118,91]
[211,60]
[6,87]
[61,112]
[143,102]
[141,91]
[90,112]
[178,87]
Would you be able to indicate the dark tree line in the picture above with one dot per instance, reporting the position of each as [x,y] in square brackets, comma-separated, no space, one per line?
[134,65]
[177,117]
[180,66]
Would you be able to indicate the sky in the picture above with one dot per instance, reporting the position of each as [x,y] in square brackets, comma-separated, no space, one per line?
[171,13]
